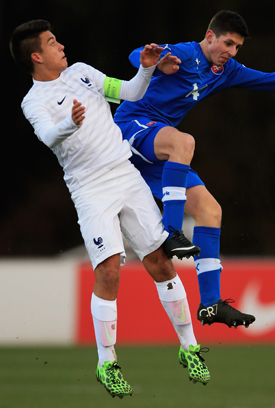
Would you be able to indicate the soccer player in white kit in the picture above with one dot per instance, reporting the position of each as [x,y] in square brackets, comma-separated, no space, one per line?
[68,110]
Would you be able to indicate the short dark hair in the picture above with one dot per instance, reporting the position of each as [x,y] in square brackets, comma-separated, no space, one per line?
[25,40]
[228,21]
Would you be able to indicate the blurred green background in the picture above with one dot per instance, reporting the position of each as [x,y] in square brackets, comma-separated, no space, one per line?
[241,377]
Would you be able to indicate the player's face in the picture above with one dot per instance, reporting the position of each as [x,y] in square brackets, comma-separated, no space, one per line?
[221,49]
[52,55]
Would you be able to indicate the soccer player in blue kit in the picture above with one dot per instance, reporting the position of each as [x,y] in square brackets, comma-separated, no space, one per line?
[163,154]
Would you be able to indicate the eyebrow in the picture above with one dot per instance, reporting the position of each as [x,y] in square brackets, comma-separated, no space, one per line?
[234,42]
[51,38]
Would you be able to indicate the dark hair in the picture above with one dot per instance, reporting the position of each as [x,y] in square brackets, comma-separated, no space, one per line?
[228,21]
[25,40]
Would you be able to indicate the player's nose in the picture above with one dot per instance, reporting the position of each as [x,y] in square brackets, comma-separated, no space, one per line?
[61,47]
[233,51]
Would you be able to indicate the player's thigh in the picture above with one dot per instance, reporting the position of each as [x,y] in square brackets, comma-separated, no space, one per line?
[98,207]
[141,220]
[171,143]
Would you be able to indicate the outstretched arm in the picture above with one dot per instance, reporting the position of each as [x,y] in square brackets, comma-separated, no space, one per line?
[134,89]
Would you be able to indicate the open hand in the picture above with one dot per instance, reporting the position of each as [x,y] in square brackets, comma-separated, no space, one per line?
[150,55]
[169,64]
[78,112]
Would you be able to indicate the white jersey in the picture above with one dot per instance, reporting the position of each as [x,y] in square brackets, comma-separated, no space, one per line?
[88,151]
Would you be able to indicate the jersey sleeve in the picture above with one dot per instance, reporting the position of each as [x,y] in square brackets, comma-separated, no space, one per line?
[44,128]
[247,78]
[134,57]
[184,51]
[135,89]
[97,76]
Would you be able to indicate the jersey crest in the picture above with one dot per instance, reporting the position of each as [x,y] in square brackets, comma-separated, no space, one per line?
[86,81]
[217,69]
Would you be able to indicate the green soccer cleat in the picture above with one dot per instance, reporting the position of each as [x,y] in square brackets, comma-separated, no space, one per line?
[198,371]
[112,379]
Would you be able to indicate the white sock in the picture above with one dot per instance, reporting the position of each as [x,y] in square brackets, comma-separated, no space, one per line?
[173,298]
[104,314]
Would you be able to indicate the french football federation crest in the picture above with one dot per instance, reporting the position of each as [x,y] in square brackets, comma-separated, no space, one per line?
[98,242]
[86,81]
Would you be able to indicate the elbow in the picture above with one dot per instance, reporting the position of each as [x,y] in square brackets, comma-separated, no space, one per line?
[51,143]
[136,97]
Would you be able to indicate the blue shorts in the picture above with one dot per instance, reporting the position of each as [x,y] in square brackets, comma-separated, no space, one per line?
[140,134]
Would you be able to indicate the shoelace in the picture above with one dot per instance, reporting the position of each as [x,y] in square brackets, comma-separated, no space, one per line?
[202,350]
[181,237]
[112,370]
[229,300]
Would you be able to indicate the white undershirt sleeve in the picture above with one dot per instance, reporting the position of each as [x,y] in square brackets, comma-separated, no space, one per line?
[49,133]
[56,134]
[134,89]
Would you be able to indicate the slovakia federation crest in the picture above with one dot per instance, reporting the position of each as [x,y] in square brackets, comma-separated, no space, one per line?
[217,69]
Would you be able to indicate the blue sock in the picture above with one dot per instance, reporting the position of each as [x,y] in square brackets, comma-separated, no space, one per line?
[208,264]
[174,180]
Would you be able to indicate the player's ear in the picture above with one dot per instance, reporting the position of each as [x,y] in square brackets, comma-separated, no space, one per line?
[209,36]
[35,56]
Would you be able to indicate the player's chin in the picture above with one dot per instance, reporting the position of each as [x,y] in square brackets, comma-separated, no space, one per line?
[64,64]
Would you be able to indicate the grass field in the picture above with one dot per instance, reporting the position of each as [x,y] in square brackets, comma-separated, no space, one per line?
[241,377]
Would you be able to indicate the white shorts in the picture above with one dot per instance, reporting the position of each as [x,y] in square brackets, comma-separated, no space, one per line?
[119,201]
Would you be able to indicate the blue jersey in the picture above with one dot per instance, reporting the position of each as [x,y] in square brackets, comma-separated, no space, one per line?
[170,97]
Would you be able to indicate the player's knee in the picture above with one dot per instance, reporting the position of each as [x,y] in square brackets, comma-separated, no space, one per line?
[209,214]
[183,147]
[111,276]
[189,142]
[214,214]
[107,277]
[159,266]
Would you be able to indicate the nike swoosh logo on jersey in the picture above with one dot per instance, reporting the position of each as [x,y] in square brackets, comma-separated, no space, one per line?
[60,103]
[109,338]
[265,312]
